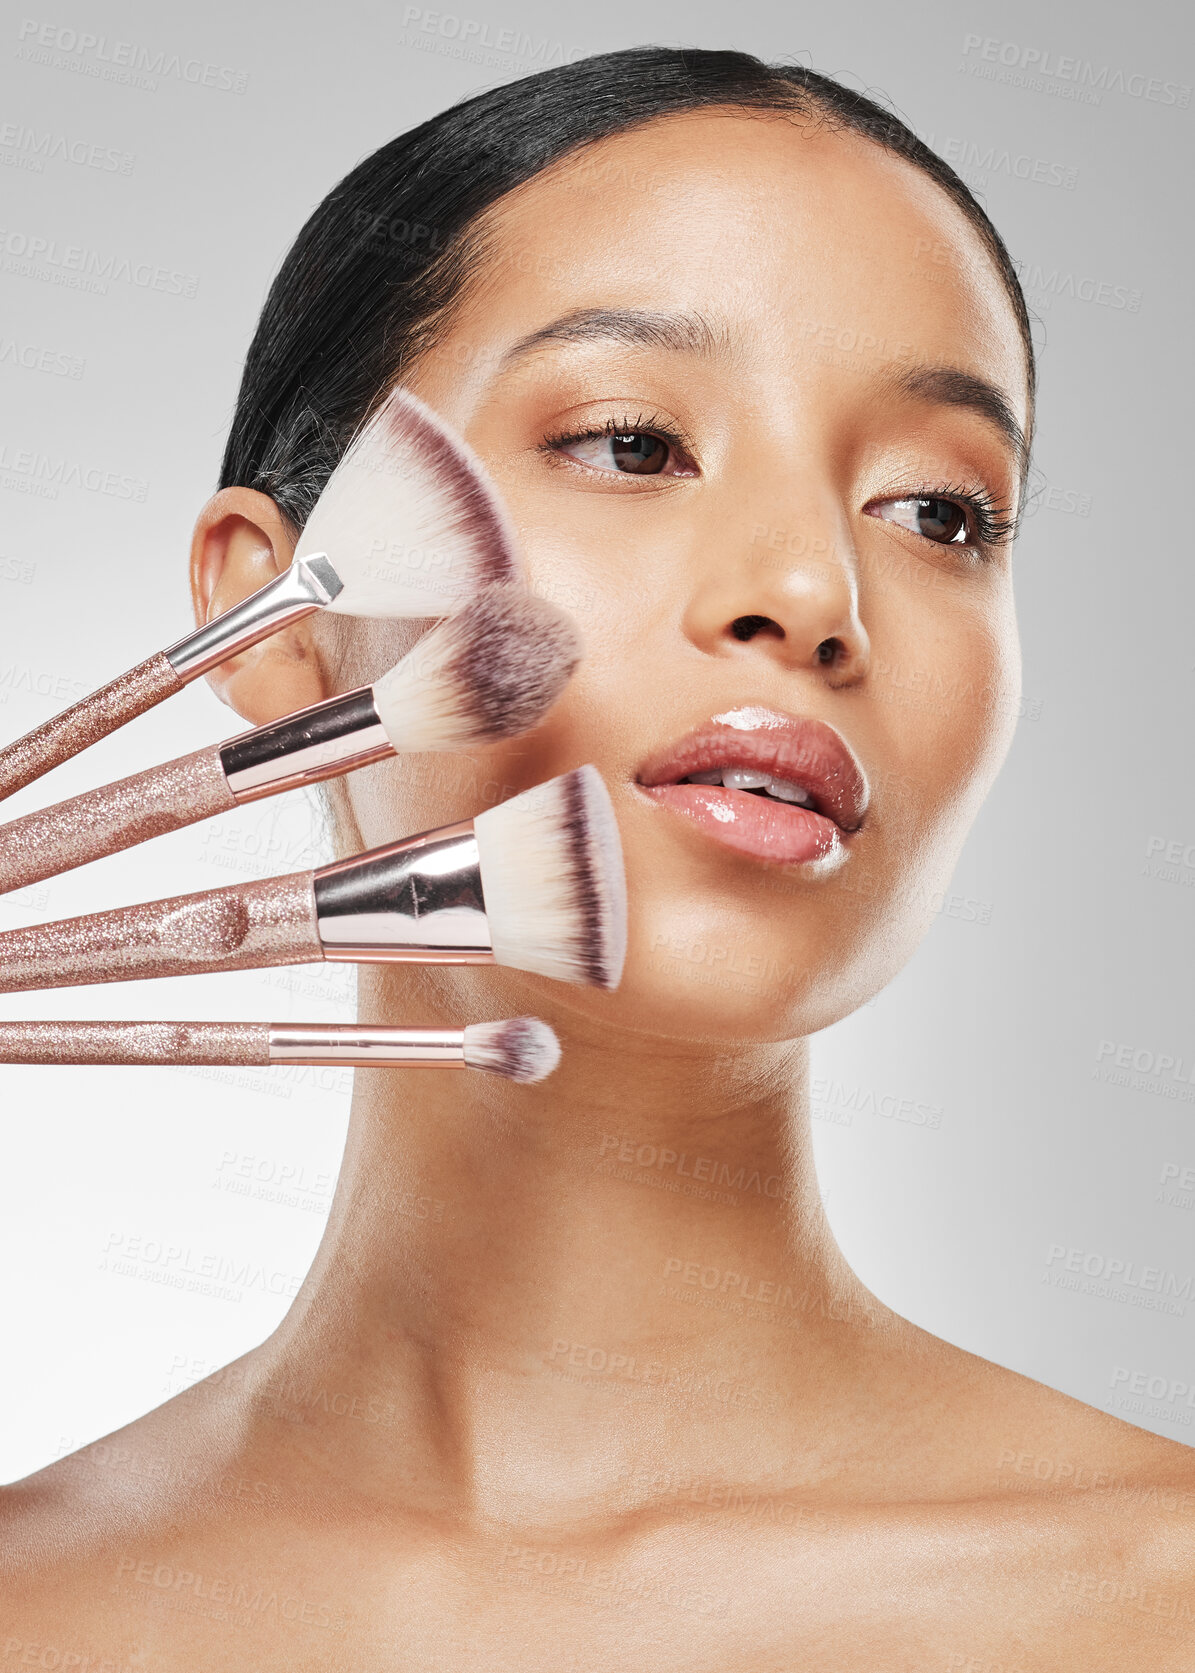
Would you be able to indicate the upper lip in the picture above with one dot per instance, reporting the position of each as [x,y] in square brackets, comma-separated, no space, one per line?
[808,752]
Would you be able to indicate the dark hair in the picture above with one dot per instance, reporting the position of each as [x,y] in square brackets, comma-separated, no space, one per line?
[383,257]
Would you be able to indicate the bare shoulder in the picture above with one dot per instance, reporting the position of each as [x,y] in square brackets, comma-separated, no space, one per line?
[76,1535]
[1125,1494]
[1041,1441]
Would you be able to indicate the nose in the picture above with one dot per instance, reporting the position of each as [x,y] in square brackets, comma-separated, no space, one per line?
[789,593]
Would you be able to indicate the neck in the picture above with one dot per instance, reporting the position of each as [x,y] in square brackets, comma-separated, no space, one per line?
[630,1258]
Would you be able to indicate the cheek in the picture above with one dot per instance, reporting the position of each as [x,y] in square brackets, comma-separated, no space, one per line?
[400,797]
[944,688]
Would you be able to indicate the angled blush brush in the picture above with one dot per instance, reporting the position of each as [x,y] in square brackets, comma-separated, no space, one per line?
[491,671]
[408,525]
[535,883]
[520,1048]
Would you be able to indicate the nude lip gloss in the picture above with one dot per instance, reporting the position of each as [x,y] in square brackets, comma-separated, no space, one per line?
[776,787]
[752,825]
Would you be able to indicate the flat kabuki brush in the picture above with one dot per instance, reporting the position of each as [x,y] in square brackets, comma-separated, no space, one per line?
[407,526]
[535,883]
[521,1048]
[491,671]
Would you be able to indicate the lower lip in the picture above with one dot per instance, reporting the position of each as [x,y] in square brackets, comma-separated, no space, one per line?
[784,833]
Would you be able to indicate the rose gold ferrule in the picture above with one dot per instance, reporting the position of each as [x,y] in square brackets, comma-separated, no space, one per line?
[309,584]
[328,739]
[359,1047]
[417,901]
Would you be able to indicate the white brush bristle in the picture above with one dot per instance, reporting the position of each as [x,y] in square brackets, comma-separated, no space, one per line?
[522,1048]
[409,518]
[553,881]
[492,671]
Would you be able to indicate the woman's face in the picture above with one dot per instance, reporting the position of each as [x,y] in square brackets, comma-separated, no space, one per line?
[747,390]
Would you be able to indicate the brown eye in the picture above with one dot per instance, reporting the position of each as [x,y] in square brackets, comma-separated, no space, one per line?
[639,452]
[627,452]
[935,519]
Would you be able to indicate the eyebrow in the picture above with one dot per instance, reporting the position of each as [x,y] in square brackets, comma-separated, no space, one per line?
[688,332]
[685,332]
[947,386]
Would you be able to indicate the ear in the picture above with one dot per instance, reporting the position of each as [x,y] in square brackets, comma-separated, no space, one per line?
[242,541]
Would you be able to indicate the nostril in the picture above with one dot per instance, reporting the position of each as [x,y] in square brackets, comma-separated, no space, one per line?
[746,627]
[829,651]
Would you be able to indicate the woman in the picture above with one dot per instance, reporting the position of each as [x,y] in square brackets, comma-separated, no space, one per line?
[753,373]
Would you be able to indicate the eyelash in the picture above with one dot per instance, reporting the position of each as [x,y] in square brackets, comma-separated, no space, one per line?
[991,524]
[624,426]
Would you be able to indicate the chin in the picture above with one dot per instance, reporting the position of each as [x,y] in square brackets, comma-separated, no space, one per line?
[727,980]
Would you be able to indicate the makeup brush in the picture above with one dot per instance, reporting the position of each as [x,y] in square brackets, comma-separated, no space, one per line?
[492,671]
[407,525]
[535,883]
[521,1048]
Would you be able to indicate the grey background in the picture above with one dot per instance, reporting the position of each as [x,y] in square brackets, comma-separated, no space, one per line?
[997,1130]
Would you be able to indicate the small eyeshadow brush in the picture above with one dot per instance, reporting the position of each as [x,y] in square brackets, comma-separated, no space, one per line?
[519,1048]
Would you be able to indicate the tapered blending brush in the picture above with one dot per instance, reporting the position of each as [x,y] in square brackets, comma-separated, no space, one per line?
[535,883]
[408,525]
[520,1048]
[492,671]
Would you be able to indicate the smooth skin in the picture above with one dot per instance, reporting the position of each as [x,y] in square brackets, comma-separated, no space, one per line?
[510,1422]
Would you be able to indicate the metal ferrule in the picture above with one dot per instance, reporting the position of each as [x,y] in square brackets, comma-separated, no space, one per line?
[417,1048]
[308,585]
[317,743]
[417,901]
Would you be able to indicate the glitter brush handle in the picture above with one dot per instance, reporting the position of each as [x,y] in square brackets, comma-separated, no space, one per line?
[309,584]
[86,722]
[245,927]
[240,1044]
[112,818]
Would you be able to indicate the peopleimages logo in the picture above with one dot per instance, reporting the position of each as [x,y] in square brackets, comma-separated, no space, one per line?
[1177,1186]
[32,148]
[61,47]
[27,470]
[1147,1062]
[1039,65]
[478,34]
[1171,860]
[1165,1074]
[1117,1279]
[1044,284]
[31,255]
[984,159]
[1168,1391]
[34,358]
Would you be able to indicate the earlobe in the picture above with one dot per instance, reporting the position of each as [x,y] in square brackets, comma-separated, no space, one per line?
[241,542]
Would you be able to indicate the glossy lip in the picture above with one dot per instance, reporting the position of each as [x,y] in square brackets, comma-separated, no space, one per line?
[806,752]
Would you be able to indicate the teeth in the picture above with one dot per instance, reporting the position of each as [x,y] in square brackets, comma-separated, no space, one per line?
[786,792]
[746,778]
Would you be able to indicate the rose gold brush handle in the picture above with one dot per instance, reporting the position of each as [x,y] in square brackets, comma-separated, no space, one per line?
[86,722]
[260,1044]
[248,926]
[238,1043]
[309,584]
[112,818]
